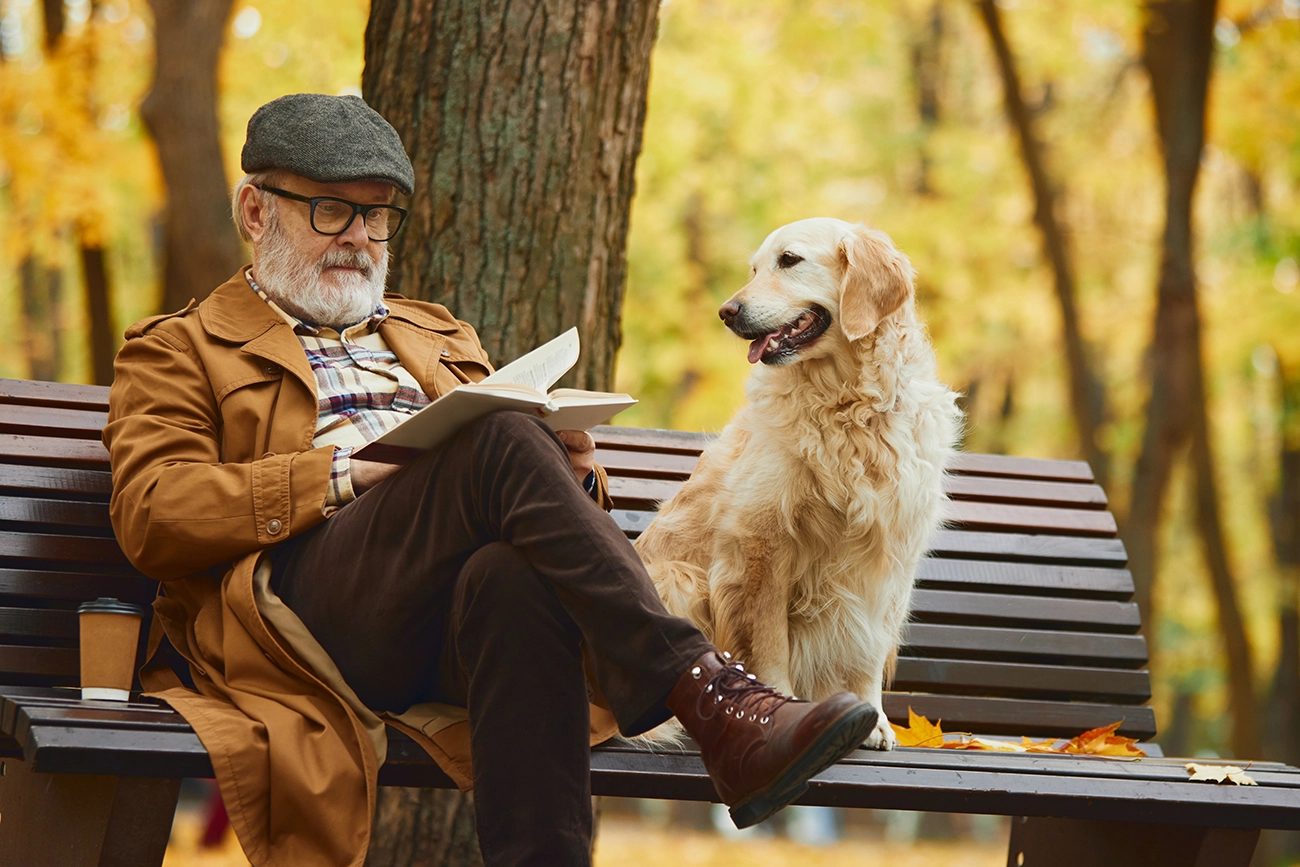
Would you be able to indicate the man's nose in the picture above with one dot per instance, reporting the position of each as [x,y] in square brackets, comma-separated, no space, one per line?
[729,312]
[355,234]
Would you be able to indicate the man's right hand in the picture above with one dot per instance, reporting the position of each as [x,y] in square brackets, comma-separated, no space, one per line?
[366,474]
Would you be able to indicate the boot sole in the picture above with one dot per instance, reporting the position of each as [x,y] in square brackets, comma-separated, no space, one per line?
[842,737]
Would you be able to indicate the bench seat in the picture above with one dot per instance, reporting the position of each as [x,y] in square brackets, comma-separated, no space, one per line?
[1022,625]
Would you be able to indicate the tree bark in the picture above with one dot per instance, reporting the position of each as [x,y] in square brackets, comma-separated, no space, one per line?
[54,23]
[524,124]
[1178,48]
[200,247]
[1087,399]
[926,61]
[423,828]
[39,287]
[99,312]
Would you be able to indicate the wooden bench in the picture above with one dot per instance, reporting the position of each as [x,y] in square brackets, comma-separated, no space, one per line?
[1022,626]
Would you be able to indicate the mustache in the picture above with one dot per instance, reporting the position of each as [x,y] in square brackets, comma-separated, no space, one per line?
[346,259]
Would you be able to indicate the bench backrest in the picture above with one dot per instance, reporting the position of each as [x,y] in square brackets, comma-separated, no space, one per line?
[1021,622]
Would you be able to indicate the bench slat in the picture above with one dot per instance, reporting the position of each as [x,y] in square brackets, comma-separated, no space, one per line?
[52,421]
[1017,547]
[1001,516]
[53,450]
[895,784]
[1022,547]
[642,493]
[61,513]
[1025,492]
[677,467]
[64,586]
[57,481]
[47,623]
[55,663]
[1034,612]
[1024,645]
[688,443]
[1021,716]
[1016,680]
[64,394]
[71,549]
[1044,578]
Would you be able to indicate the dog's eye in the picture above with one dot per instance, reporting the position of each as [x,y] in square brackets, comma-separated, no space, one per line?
[788,260]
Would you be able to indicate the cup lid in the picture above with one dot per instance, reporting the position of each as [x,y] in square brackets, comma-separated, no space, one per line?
[109,605]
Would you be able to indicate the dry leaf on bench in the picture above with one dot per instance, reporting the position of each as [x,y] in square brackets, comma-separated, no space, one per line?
[1104,742]
[1219,774]
[920,732]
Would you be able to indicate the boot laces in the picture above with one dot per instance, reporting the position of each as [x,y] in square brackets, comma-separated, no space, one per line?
[742,695]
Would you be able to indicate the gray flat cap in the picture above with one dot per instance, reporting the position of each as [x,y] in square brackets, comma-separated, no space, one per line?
[327,139]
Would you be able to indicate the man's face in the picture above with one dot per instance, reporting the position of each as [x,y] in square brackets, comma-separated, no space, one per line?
[334,280]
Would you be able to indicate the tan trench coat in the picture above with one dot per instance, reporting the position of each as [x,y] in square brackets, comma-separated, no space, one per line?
[211,421]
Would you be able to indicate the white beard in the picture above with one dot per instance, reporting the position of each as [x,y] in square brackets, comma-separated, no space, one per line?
[293,281]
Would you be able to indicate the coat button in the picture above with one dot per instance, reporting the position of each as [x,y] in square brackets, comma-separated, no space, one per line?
[446,354]
[273,368]
[273,527]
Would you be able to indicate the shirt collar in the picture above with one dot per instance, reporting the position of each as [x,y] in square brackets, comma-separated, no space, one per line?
[311,329]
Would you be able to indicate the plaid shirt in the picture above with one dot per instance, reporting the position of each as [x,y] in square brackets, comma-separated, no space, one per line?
[362,390]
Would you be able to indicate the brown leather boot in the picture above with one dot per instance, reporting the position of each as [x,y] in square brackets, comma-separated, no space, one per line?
[760,747]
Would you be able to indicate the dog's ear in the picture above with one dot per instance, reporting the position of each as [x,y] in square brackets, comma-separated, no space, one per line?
[877,281]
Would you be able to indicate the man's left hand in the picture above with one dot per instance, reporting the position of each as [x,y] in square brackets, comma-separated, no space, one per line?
[582,451]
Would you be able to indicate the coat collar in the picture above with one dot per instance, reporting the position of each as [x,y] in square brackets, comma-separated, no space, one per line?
[234,313]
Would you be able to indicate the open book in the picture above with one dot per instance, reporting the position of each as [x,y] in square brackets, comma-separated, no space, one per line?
[521,385]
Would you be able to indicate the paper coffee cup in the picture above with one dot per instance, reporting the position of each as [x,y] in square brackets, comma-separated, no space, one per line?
[110,632]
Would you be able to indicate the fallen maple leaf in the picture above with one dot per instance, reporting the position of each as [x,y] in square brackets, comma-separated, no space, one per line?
[920,732]
[971,742]
[1219,774]
[1104,742]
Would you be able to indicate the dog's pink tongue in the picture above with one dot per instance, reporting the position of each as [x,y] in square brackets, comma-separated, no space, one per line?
[756,348]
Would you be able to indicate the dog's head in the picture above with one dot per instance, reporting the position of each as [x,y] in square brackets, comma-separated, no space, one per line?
[814,283]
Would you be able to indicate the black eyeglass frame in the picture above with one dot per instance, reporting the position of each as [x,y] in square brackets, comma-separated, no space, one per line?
[363,210]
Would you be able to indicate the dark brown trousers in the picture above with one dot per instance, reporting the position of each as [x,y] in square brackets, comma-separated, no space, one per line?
[472,576]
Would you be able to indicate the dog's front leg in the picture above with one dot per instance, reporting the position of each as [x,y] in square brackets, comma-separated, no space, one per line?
[749,601]
[882,737]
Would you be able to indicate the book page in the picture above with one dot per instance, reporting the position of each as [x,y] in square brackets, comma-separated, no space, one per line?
[541,368]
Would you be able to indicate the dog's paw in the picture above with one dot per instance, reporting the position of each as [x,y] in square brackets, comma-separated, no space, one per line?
[882,736]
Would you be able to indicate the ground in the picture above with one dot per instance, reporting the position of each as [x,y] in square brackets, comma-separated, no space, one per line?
[625,841]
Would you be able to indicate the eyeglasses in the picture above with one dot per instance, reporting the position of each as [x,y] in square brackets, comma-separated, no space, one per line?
[331,216]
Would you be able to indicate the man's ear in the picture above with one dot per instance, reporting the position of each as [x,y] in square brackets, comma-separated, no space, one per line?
[253,212]
[877,281]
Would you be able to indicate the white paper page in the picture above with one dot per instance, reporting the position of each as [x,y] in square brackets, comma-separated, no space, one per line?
[541,368]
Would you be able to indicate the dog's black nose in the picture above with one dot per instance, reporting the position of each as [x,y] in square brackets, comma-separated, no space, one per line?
[729,312]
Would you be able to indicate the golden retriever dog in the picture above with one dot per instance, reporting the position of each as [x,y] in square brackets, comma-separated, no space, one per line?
[795,542]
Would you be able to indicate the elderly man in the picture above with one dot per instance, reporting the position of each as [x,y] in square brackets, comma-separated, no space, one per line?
[476,598]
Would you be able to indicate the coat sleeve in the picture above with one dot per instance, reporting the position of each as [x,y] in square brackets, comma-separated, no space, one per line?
[176,508]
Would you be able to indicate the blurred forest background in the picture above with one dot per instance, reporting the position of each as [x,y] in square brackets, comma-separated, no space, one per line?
[1024,183]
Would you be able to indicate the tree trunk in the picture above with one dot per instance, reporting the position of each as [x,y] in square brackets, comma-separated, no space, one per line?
[99,312]
[39,285]
[927,64]
[524,124]
[423,828]
[1178,47]
[200,247]
[54,23]
[1087,400]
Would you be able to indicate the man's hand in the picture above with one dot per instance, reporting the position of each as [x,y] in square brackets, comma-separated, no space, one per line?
[582,451]
[366,474]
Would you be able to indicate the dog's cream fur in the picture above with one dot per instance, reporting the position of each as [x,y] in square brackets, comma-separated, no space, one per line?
[794,544]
